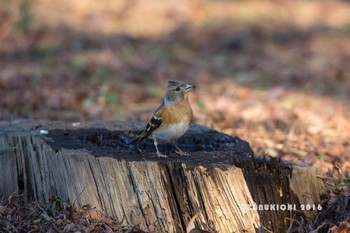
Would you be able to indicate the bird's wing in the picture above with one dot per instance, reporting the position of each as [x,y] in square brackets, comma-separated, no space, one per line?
[152,125]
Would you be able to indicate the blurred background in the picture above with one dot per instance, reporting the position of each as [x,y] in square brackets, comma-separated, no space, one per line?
[275,73]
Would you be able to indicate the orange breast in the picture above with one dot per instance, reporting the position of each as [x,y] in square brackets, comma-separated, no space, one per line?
[181,113]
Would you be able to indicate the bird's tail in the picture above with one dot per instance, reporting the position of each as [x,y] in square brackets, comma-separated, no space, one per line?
[139,138]
[135,140]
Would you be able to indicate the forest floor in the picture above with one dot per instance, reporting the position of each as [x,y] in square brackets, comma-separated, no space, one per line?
[274,73]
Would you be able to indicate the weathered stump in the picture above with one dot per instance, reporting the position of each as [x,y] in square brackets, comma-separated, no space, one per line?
[91,163]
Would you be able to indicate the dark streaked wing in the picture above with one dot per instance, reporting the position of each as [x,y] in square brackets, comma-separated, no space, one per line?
[152,125]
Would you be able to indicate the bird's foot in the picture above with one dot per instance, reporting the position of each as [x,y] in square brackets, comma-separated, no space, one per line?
[160,155]
[181,152]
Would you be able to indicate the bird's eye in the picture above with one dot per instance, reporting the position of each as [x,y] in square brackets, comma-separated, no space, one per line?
[177,89]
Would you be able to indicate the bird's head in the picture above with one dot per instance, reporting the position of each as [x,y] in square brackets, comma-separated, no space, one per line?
[176,92]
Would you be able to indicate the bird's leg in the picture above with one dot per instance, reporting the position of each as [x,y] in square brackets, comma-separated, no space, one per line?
[160,155]
[179,151]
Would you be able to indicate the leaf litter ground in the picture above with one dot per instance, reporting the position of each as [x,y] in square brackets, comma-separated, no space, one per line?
[279,80]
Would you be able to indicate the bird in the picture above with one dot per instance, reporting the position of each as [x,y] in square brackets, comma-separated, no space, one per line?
[172,118]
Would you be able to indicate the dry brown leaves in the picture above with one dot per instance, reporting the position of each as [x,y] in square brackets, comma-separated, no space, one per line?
[283,85]
[58,216]
[343,227]
[279,79]
[334,216]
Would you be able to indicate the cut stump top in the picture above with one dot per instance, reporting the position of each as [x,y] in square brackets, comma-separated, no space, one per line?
[110,139]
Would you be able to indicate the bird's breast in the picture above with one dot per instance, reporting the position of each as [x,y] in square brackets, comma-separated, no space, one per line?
[171,132]
[180,113]
[175,122]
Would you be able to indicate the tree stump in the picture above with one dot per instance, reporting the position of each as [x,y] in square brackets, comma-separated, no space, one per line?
[92,163]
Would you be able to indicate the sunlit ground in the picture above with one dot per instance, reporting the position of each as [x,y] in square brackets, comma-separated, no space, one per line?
[276,74]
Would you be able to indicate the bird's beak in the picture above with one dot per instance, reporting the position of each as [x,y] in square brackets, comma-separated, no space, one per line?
[189,87]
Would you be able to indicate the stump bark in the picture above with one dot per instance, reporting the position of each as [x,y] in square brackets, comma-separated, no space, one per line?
[92,163]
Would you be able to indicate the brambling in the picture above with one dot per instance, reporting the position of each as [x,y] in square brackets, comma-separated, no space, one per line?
[172,119]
